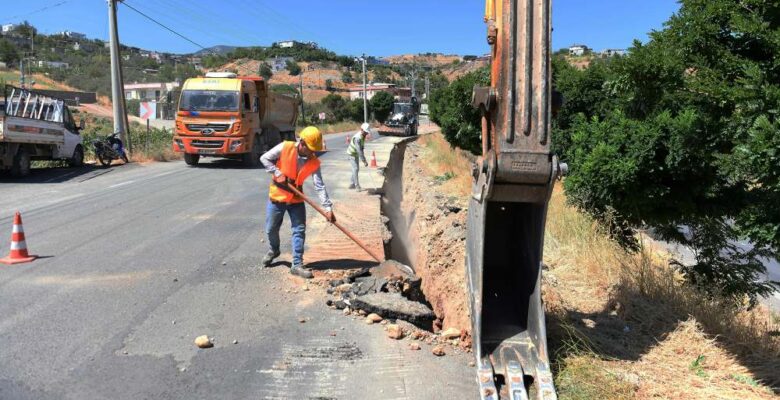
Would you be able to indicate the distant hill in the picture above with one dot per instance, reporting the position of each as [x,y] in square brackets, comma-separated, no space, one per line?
[219,49]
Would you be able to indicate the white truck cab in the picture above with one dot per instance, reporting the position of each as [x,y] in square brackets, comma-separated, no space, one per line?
[34,126]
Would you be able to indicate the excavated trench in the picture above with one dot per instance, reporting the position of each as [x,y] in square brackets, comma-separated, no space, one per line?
[402,245]
[424,280]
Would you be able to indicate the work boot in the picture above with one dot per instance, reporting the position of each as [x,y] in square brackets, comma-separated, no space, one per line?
[358,188]
[302,272]
[269,257]
[351,185]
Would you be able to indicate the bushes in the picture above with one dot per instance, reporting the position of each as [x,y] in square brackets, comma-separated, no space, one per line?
[681,135]
[382,105]
[450,108]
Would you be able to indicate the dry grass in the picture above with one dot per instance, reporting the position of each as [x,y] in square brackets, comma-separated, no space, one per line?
[642,331]
[334,128]
[449,165]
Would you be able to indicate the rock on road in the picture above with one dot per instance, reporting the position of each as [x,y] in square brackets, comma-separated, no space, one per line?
[139,260]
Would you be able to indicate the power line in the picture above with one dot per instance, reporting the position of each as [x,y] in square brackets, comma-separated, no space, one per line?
[10,19]
[162,25]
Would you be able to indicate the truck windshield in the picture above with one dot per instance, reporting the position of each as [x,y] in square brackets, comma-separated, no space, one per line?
[402,108]
[209,100]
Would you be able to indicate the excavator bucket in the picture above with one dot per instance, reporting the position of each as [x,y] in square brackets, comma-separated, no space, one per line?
[508,209]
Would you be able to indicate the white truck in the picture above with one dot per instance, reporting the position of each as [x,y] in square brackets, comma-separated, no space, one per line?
[34,126]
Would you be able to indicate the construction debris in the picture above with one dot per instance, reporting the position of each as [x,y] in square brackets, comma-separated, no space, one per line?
[451,333]
[373,317]
[394,331]
[395,306]
[438,351]
[204,342]
[414,346]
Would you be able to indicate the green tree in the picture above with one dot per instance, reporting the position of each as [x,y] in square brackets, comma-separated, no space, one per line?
[293,68]
[329,85]
[382,105]
[683,132]
[381,74]
[354,110]
[265,71]
[346,77]
[450,108]
[8,52]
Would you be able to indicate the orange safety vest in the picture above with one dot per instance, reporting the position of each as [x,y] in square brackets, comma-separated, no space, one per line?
[288,165]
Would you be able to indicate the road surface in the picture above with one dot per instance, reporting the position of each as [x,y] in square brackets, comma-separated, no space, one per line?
[138,260]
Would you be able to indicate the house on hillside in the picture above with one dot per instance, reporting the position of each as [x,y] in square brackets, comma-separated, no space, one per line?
[73,35]
[53,64]
[8,28]
[356,92]
[153,91]
[577,50]
[285,44]
[613,52]
[278,63]
[196,62]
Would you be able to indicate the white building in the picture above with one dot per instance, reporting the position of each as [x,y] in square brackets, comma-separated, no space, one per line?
[286,43]
[356,92]
[149,91]
[53,64]
[73,35]
[8,27]
[578,49]
[278,63]
[613,52]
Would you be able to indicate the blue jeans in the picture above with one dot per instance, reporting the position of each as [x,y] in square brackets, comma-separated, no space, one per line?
[274,213]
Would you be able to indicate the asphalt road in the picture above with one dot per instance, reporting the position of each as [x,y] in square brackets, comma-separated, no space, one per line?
[138,260]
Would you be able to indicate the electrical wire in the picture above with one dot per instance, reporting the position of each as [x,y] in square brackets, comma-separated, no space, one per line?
[162,25]
[10,19]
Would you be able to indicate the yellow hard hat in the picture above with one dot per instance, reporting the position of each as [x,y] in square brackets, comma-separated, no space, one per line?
[312,137]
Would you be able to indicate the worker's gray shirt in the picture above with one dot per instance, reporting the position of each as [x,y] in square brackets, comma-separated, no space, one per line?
[269,160]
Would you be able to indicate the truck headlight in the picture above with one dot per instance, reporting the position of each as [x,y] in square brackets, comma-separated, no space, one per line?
[234,145]
[180,144]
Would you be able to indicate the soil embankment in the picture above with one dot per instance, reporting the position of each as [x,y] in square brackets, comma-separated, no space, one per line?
[429,232]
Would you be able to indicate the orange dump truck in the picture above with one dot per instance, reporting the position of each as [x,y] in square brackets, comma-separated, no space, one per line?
[229,116]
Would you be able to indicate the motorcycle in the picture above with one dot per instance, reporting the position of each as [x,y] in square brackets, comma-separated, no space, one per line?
[109,149]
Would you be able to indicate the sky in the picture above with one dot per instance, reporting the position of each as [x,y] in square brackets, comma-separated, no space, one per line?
[349,27]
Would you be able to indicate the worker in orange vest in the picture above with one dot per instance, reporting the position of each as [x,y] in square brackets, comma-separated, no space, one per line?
[291,163]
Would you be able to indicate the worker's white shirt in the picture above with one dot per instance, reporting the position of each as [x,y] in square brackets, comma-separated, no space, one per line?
[269,160]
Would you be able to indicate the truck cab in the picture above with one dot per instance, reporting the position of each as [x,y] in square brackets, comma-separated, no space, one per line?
[35,126]
[224,115]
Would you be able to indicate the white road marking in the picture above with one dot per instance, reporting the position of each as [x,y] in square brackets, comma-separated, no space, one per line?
[121,184]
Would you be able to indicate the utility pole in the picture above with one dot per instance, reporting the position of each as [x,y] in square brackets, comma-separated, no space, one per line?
[427,86]
[21,71]
[303,111]
[117,83]
[413,77]
[365,89]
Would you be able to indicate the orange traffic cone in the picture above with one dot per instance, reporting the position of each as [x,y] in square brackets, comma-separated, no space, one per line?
[373,160]
[18,252]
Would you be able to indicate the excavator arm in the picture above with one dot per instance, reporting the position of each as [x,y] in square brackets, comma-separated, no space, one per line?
[513,181]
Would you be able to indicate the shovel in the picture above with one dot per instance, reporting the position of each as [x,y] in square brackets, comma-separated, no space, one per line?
[338,225]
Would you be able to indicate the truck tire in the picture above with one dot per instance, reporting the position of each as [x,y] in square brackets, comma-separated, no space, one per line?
[191,159]
[21,166]
[77,160]
[408,130]
[252,159]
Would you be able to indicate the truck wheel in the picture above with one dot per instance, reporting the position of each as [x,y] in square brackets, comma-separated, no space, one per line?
[408,131]
[191,159]
[21,166]
[252,159]
[77,160]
